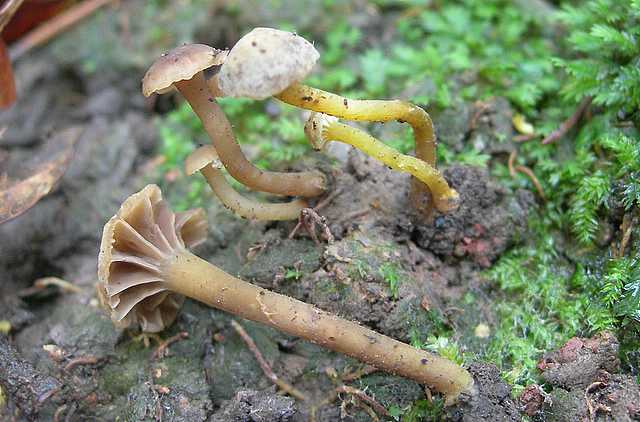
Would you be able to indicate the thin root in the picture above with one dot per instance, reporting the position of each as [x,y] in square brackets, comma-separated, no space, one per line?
[568,124]
[82,360]
[161,351]
[308,219]
[526,171]
[593,410]
[361,395]
[264,365]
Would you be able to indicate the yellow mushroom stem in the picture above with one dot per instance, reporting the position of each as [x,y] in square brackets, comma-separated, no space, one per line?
[217,126]
[321,129]
[191,276]
[315,99]
[205,159]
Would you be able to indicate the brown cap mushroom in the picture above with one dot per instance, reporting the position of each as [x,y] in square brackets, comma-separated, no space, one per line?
[180,64]
[182,67]
[135,242]
[264,62]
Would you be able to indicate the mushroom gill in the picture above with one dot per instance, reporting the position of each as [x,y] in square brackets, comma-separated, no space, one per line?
[135,243]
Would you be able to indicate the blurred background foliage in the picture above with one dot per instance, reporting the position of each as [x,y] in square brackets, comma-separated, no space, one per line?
[543,57]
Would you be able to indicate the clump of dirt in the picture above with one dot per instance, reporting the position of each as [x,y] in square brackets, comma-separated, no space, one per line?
[491,400]
[488,221]
[579,361]
[583,375]
[257,406]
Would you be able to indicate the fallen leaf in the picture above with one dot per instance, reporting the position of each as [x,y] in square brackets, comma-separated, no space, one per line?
[521,125]
[22,195]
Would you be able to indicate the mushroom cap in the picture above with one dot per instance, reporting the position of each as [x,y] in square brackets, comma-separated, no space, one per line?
[135,243]
[264,62]
[200,158]
[180,64]
[314,129]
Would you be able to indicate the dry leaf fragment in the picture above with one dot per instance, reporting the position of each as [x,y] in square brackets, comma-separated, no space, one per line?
[18,197]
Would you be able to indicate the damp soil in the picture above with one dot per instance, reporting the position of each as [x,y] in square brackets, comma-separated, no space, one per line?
[390,269]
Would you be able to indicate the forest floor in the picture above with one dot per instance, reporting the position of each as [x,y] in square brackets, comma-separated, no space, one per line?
[436,283]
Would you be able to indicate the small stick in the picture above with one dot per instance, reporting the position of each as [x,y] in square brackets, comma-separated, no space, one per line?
[593,410]
[327,200]
[51,28]
[625,228]
[361,395]
[568,124]
[526,171]
[82,360]
[352,376]
[512,159]
[264,365]
[44,282]
[162,349]
[524,138]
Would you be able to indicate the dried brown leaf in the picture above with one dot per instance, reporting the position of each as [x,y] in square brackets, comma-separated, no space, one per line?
[19,196]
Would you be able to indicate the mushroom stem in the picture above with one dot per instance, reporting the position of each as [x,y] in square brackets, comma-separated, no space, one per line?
[315,99]
[217,126]
[248,208]
[445,199]
[191,276]
[205,160]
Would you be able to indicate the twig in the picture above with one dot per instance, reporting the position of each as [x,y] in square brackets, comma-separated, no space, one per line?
[58,413]
[568,124]
[44,282]
[361,395]
[49,29]
[352,376]
[594,409]
[625,228]
[162,349]
[323,203]
[82,360]
[8,9]
[308,219]
[264,365]
[524,138]
[526,171]
[327,200]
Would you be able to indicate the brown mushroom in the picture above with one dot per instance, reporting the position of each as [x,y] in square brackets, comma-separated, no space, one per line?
[269,62]
[182,67]
[205,160]
[135,244]
[144,259]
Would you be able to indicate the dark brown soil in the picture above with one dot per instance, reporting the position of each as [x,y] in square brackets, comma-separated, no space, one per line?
[585,384]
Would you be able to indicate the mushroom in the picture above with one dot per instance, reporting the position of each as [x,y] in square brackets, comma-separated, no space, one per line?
[182,67]
[269,62]
[205,159]
[144,259]
[135,244]
[322,128]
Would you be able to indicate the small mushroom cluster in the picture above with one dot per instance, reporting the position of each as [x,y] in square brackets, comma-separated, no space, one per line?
[145,268]
[271,63]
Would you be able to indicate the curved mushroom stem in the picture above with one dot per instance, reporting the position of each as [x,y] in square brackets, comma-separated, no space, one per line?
[248,208]
[307,184]
[445,199]
[194,277]
[315,99]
